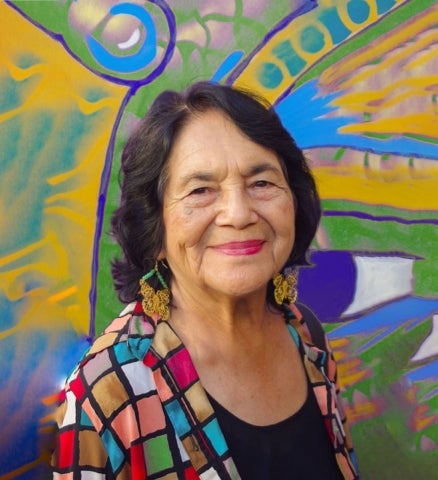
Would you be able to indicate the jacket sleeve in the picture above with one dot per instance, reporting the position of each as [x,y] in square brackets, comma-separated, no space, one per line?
[79,449]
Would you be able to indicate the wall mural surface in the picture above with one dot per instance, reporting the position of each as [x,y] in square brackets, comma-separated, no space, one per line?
[355,82]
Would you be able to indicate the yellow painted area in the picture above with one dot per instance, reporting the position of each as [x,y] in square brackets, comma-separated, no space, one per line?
[88,154]
[5,260]
[423,418]
[397,94]
[422,124]
[399,42]
[374,101]
[351,371]
[377,188]
[362,411]
[64,294]
[51,275]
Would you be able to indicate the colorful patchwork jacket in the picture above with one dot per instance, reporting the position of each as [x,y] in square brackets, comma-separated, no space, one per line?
[134,408]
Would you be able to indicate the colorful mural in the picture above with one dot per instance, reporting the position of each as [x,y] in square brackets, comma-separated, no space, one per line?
[356,83]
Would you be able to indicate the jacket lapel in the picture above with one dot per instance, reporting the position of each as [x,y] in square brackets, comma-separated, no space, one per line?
[315,363]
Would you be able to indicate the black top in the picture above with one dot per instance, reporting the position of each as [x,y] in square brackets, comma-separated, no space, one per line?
[296,448]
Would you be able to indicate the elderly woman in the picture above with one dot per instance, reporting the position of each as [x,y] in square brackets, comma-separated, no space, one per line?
[211,371]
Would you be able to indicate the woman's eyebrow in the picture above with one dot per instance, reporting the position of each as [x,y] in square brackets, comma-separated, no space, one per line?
[200,176]
[261,168]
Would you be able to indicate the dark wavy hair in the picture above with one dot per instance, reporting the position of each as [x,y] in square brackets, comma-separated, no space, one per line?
[137,225]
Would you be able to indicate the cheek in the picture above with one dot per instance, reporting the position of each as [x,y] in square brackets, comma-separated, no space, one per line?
[186,226]
[287,217]
[287,229]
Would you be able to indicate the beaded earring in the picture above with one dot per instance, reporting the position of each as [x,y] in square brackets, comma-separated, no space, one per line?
[285,288]
[155,301]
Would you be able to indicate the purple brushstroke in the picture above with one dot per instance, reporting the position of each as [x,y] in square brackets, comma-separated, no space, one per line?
[381,218]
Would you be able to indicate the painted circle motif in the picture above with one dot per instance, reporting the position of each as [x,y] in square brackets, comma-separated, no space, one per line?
[130,42]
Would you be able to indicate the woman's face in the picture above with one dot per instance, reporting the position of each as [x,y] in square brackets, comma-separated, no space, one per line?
[228,210]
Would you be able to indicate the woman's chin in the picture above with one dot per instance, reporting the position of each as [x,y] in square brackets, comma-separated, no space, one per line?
[240,288]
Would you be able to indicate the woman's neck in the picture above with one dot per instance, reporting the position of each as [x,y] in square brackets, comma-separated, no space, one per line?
[197,318]
[224,312]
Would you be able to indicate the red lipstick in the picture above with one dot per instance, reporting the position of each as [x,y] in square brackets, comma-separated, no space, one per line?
[247,247]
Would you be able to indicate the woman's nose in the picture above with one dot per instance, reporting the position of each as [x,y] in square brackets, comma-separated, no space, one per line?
[236,209]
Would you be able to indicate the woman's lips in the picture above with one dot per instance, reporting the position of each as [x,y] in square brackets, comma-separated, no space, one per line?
[248,247]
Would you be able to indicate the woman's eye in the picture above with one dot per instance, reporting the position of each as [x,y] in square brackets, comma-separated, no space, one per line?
[262,183]
[199,191]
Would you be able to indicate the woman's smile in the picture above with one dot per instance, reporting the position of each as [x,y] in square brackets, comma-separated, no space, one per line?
[242,248]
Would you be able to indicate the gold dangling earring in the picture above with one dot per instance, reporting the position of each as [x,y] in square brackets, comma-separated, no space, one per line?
[285,288]
[155,301]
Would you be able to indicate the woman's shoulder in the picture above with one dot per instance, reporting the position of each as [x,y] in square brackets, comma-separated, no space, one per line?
[115,333]
[111,348]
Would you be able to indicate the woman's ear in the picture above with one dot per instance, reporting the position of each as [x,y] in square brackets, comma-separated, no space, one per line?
[162,254]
